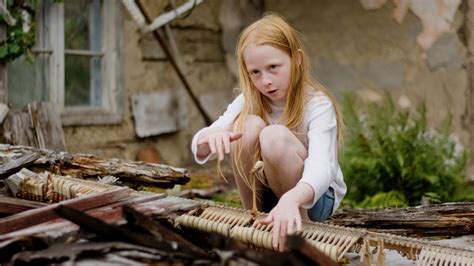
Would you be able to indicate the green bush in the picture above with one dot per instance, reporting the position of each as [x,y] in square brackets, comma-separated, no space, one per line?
[392,158]
[18,42]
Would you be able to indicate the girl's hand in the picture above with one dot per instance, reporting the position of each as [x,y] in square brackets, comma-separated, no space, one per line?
[286,220]
[216,140]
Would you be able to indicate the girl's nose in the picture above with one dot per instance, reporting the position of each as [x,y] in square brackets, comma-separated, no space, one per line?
[266,79]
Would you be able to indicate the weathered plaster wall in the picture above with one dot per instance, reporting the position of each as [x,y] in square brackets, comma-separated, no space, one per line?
[146,71]
[351,48]
[367,51]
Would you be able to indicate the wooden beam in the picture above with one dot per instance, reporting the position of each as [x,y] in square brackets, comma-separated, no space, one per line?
[43,214]
[115,232]
[451,219]
[51,231]
[13,205]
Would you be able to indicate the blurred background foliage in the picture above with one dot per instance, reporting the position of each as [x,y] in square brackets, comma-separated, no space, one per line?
[392,158]
[19,42]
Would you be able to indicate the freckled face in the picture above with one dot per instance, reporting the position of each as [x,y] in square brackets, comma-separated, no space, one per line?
[269,68]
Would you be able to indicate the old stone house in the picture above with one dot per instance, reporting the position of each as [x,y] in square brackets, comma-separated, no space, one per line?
[118,93]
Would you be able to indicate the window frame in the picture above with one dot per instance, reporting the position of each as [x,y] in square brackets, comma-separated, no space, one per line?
[50,29]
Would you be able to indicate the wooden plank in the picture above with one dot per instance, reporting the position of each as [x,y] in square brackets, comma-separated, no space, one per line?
[3,107]
[17,129]
[13,205]
[13,165]
[59,228]
[147,223]
[37,125]
[448,219]
[40,215]
[46,121]
[166,206]
[115,232]
[3,69]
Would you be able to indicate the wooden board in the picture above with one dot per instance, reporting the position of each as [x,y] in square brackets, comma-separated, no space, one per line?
[450,219]
[13,205]
[60,228]
[37,125]
[43,214]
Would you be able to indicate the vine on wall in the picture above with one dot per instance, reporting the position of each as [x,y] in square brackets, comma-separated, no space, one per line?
[20,37]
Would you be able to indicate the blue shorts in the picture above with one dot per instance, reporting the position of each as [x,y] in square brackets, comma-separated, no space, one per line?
[321,210]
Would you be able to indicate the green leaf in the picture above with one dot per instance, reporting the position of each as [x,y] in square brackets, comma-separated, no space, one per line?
[3,51]
[386,150]
[14,48]
[433,179]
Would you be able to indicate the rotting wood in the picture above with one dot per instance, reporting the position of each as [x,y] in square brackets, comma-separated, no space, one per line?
[205,193]
[51,231]
[137,218]
[12,246]
[14,165]
[10,205]
[114,232]
[158,230]
[89,166]
[43,214]
[450,219]
[302,248]
[168,206]
[87,253]
[37,125]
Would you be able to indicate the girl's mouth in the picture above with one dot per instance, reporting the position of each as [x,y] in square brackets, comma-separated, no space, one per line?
[271,92]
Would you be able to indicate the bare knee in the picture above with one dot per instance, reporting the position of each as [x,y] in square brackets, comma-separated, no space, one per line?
[252,126]
[274,142]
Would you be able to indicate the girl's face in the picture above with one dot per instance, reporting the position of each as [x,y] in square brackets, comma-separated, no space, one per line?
[269,68]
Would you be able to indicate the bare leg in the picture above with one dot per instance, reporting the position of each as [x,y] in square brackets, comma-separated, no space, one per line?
[252,127]
[283,156]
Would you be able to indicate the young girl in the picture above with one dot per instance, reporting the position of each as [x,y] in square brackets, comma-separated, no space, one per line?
[286,119]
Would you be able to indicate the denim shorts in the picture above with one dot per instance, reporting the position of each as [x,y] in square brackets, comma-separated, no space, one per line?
[321,210]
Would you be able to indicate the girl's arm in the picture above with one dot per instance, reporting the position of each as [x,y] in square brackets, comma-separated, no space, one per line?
[286,215]
[215,140]
[200,144]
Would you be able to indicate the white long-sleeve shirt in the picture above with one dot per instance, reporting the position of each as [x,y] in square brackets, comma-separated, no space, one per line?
[319,136]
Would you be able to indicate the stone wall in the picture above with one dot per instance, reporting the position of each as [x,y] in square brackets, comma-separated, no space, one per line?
[352,48]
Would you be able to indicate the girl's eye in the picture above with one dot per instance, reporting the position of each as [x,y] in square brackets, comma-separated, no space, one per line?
[273,67]
[254,72]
